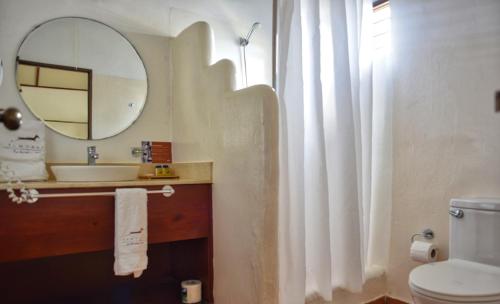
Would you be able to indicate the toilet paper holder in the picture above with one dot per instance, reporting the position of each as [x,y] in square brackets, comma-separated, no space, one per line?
[427,234]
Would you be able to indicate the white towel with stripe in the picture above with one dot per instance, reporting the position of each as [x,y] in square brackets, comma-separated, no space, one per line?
[131,231]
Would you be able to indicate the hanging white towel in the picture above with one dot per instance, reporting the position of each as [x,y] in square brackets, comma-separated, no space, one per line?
[131,231]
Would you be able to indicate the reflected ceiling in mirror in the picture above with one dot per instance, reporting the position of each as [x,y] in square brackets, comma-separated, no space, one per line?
[81,77]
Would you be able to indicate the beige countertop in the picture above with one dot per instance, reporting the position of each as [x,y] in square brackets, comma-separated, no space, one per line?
[190,174]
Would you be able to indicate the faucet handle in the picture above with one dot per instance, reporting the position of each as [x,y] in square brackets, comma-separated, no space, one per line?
[458,213]
[92,151]
[92,155]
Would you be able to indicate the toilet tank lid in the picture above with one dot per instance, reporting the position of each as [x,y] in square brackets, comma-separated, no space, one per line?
[492,204]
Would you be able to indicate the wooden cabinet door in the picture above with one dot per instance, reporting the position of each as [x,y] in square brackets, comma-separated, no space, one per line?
[59,226]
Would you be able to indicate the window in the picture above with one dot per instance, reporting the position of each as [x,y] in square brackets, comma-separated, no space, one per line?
[381,25]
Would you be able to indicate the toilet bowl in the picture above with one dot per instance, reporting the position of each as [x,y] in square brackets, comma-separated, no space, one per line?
[455,281]
[472,274]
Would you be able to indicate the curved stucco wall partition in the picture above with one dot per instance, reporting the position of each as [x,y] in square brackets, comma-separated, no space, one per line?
[238,131]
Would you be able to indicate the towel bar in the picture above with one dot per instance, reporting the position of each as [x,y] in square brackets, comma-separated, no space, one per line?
[34,195]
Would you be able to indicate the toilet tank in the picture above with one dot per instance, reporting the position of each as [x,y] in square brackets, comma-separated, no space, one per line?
[475,230]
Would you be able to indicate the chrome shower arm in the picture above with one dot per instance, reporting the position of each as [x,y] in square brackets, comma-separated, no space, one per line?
[244,41]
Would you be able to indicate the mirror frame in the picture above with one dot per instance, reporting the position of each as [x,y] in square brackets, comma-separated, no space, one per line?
[113,29]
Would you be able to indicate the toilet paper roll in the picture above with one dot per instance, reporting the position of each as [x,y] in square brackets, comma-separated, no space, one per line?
[191,291]
[423,252]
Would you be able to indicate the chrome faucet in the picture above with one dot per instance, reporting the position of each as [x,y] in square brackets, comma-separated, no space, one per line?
[92,155]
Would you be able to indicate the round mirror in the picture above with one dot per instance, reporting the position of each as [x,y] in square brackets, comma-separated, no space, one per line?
[81,77]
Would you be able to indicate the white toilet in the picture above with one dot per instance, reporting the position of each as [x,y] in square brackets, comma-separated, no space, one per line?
[472,273]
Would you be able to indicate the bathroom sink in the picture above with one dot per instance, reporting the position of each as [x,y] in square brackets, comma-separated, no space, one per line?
[95,173]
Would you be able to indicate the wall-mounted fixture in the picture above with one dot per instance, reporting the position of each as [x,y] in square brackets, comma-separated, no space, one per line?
[1,71]
[244,41]
[11,118]
[427,234]
[92,155]
[497,101]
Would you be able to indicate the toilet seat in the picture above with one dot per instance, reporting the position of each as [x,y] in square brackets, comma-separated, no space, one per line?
[457,280]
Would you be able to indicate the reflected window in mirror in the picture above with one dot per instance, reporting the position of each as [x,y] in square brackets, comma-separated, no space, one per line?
[60,95]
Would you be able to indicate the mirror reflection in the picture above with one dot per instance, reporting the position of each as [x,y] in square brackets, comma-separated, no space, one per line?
[81,77]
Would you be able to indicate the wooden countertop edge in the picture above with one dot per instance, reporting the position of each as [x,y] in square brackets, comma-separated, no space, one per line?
[144,183]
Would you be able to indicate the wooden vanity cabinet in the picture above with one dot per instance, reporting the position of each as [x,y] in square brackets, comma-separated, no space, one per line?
[62,248]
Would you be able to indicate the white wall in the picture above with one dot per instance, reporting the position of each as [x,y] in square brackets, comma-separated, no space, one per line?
[446,134]
[238,131]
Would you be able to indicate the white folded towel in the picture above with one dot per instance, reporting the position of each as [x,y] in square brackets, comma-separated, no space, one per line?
[23,151]
[25,170]
[131,231]
[26,143]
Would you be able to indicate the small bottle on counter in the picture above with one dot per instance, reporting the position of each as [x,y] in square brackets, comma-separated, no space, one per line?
[166,170]
[158,170]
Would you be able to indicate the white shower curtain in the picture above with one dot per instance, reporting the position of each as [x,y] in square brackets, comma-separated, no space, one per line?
[335,151]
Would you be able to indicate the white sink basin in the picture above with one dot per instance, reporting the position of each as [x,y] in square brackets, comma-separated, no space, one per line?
[95,173]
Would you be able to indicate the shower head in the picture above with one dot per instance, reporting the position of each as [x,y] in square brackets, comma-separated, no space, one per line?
[244,41]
